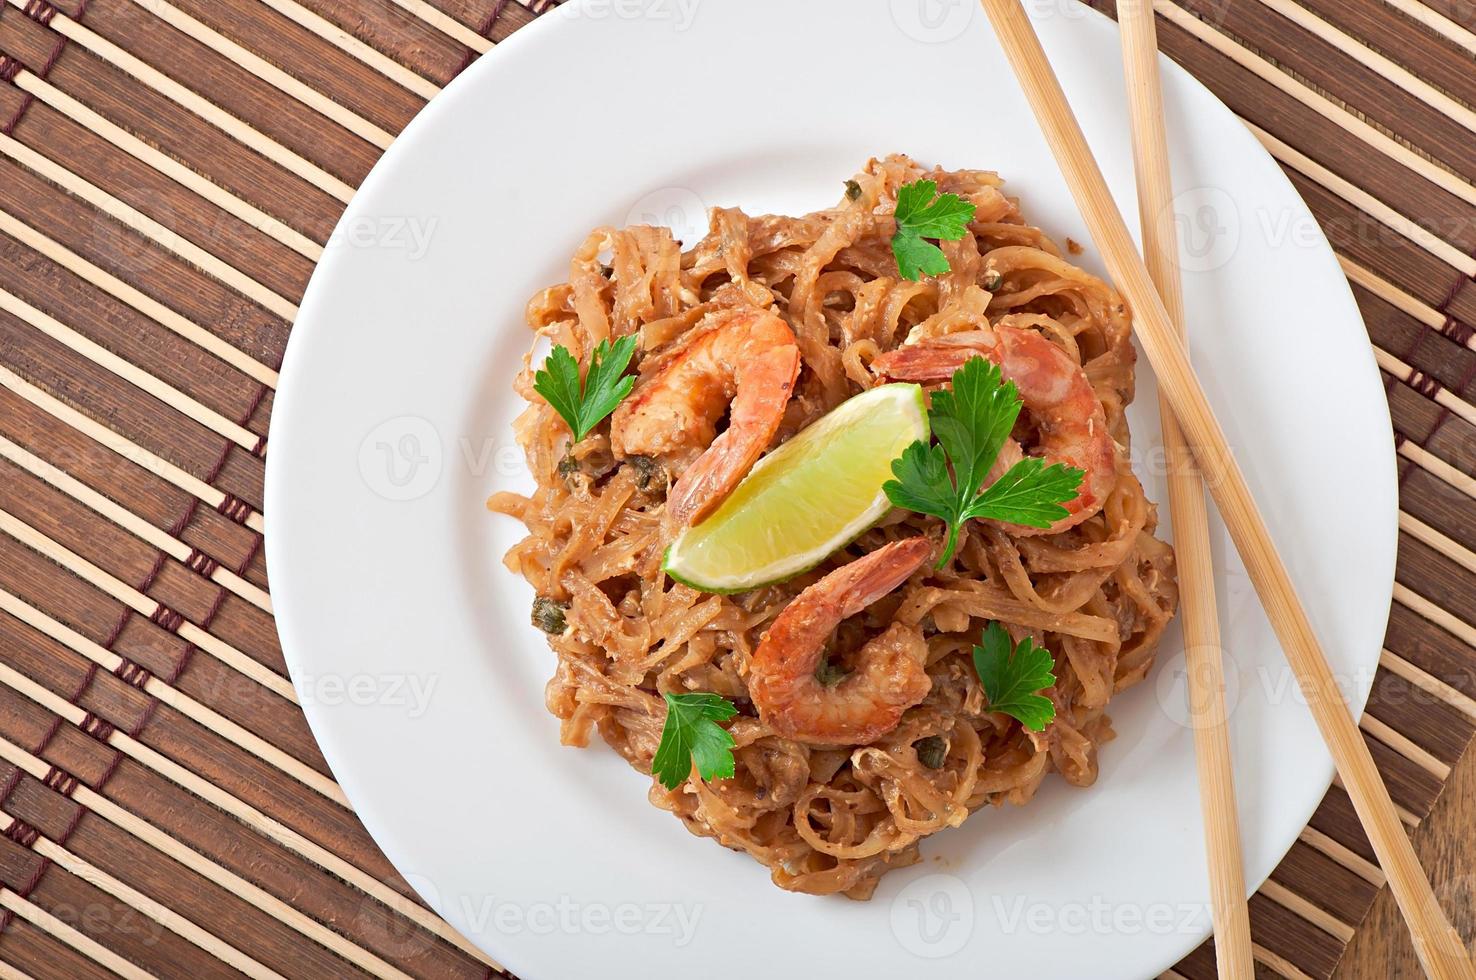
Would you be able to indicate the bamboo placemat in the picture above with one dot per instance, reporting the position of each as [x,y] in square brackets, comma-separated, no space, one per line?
[170,170]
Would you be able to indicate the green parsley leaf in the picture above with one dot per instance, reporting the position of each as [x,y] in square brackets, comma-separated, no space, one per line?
[916,257]
[946,217]
[1029,493]
[692,735]
[920,217]
[584,405]
[922,483]
[1013,677]
[972,420]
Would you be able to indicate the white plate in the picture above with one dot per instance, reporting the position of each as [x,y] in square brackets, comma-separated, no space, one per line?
[410,645]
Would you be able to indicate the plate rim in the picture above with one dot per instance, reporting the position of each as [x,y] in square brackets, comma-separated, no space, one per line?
[544,30]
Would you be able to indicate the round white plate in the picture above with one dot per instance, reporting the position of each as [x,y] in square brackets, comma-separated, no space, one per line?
[410,644]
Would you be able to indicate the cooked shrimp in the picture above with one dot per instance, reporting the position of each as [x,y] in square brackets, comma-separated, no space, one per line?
[1054,390]
[889,677]
[745,358]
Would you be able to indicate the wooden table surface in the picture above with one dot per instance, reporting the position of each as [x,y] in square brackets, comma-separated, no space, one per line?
[1446,843]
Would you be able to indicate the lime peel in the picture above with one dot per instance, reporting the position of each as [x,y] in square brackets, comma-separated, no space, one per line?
[813,495]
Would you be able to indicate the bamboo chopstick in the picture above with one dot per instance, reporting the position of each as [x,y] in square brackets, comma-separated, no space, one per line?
[1439,947]
[1197,607]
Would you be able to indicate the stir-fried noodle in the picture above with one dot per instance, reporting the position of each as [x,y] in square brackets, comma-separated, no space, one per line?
[828,818]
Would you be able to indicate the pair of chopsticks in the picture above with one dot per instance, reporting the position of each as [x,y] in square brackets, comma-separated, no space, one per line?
[1203,655]
[1439,947]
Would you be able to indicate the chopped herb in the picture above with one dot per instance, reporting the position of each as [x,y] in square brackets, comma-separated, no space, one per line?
[548,615]
[578,474]
[649,474]
[853,190]
[1014,675]
[692,735]
[583,405]
[920,218]
[944,479]
[932,751]
[830,673]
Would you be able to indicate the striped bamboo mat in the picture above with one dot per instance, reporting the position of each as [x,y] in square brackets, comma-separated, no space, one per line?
[170,170]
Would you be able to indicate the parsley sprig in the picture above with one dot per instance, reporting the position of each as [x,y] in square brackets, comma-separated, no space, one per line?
[692,735]
[1014,675]
[583,405]
[919,218]
[972,422]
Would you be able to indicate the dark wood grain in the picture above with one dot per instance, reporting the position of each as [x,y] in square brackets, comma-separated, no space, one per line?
[181,212]
[1435,59]
[1330,70]
[1448,851]
[1425,719]
[1325,883]
[319,64]
[247,97]
[385,25]
[100,394]
[119,328]
[146,266]
[34,951]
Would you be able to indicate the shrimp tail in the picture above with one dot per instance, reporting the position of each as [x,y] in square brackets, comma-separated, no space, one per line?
[924,363]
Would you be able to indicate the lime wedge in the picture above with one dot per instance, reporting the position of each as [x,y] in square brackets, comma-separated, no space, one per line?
[805,499]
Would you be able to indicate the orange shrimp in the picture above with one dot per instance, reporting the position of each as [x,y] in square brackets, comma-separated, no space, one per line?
[1054,390]
[889,677]
[744,357]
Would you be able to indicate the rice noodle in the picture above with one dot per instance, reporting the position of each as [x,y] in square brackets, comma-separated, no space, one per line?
[1098,596]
